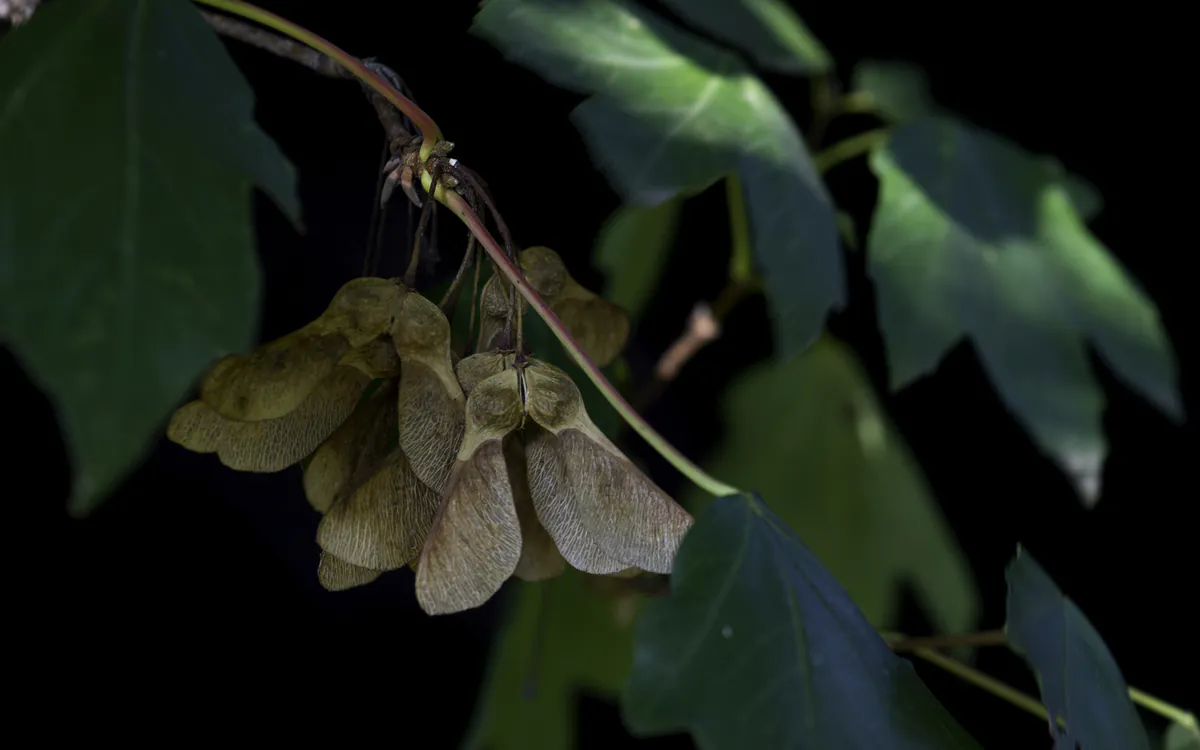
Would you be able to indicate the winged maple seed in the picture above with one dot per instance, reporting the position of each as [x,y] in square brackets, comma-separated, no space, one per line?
[469,471]
[600,327]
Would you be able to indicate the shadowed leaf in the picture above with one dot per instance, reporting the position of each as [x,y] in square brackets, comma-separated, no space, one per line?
[475,543]
[271,444]
[603,514]
[799,667]
[811,434]
[127,259]
[972,236]
[1079,679]
[672,114]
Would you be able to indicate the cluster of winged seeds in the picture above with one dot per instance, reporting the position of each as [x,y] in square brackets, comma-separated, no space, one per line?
[470,471]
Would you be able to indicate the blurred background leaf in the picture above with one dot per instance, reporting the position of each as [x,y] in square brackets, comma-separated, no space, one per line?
[810,434]
[633,249]
[973,236]
[559,639]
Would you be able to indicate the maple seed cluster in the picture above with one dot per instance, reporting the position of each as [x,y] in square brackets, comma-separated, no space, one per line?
[470,471]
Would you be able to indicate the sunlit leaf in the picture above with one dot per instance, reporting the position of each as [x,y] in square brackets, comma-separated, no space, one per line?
[559,640]
[768,30]
[758,646]
[1079,679]
[973,236]
[632,250]
[129,153]
[899,91]
[673,113]
[811,434]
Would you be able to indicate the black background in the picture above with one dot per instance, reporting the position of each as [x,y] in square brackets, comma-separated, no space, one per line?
[193,592]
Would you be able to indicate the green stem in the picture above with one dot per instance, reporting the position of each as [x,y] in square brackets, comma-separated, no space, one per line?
[1162,708]
[709,484]
[847,149]
[984,682]
[924,648]
[423,122]
[856,103]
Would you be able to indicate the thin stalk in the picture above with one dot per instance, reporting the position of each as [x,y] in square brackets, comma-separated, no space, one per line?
[847,149]
[422,121]
[985,682]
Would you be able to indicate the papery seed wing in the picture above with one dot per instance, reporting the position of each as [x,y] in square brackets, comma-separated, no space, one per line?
[377,359]
[363,309]
[271,444]
[382,523]
[475,543]
[476,368]
[359,445]
[276,377]
[544,270]
[540,558]
[557,504]
[430,422]
[627,514]
[273,379]
[600,327]
[339,575]
[430,401]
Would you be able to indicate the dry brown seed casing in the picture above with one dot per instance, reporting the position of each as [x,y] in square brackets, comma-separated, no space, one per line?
[273,379]
[430,401]
[271,444]
[475,542]
[603,513]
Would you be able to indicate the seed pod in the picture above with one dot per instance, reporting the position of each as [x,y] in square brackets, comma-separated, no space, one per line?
[377,359]
[600,327]
[493,313]
[430,400]
[544,270]
[602,512]
[476,368]
[339,575]
[381,523]
[271,444]
[475,542]
[273,379]
[354,451]
[540,559]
